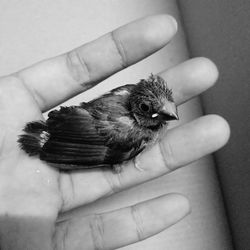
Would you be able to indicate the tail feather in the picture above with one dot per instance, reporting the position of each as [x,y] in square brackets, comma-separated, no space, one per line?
[35,127]
[36,135]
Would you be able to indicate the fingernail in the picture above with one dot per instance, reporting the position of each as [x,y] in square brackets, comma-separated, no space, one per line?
[174,22]
[176,207]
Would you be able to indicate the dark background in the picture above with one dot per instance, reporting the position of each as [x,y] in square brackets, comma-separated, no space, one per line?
[220,30]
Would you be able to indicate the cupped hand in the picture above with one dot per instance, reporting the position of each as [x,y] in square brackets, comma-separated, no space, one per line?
[32,193]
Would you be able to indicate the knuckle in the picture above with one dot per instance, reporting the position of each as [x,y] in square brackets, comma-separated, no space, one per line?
[66,185]
[7,141]
[61,236]
[114,181]
[167,154]
[97,231]
[138,220]
[77,66]
[120,49]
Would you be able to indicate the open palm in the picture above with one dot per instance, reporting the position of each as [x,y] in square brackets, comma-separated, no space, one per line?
[32,193]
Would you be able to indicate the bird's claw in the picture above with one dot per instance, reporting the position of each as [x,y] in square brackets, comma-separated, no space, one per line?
[117,168]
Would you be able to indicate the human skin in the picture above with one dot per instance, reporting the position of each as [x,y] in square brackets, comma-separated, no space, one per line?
[33,194]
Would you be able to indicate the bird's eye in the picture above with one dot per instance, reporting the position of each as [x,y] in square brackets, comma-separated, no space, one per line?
[144,107]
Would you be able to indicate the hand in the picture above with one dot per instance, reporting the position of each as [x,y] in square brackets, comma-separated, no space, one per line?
[32,194]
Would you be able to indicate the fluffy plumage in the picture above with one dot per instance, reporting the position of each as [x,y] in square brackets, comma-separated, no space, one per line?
[105,131]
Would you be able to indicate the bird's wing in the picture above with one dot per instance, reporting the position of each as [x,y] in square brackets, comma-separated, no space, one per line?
[76,138]
[123,90]
[73,138]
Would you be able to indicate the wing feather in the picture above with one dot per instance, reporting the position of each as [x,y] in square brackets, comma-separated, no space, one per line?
[73,138]
[89,137]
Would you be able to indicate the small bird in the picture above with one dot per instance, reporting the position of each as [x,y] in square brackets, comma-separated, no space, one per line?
[104,132]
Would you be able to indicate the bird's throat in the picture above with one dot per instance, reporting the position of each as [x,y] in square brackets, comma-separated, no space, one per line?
[148,123]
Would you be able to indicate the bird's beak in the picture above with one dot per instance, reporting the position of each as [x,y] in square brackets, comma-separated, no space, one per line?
[169,112]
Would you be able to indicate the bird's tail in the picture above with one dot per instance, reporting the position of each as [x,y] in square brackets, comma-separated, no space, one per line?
[36,135]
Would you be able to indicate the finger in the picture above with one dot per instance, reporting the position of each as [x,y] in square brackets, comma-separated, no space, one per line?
[190,78]
[124,226]
[180,146]
[55,80]
[186,79]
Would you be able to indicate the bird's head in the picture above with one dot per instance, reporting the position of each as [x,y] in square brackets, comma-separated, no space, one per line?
[151,103]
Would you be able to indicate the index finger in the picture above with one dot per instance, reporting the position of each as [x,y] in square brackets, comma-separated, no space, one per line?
[57,79]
